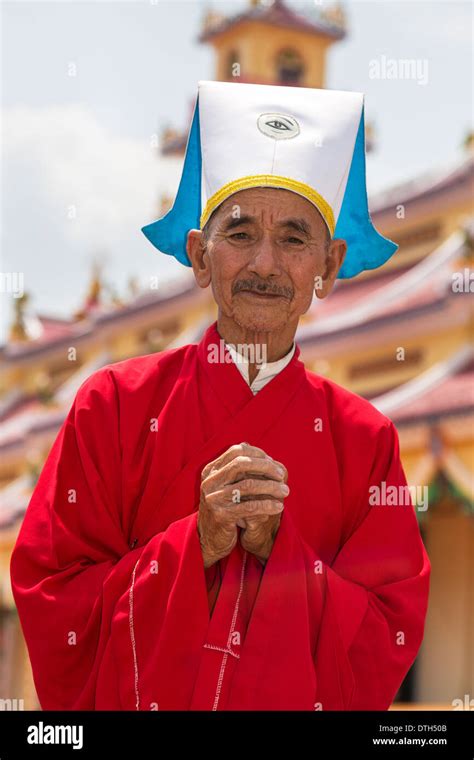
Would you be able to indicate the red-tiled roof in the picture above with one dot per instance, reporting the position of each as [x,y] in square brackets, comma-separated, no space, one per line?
[347,295]
[425,284]
[454,395]
[56,331]
[29,415]
[26,404]
[55,328]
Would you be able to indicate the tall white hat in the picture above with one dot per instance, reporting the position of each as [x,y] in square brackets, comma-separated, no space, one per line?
[309,141]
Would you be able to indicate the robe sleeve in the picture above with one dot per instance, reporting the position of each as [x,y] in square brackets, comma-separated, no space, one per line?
[72,561]
[369,604]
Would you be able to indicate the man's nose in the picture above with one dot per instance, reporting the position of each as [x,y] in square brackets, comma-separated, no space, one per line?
[264,260]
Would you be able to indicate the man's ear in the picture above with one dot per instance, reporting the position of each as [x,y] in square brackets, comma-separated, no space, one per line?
[197,254]
[334,260]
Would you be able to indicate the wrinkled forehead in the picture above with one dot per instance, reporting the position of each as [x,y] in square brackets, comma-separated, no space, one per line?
[273,206]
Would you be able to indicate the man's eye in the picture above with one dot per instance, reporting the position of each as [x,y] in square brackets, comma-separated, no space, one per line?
[294,240]
[239,236]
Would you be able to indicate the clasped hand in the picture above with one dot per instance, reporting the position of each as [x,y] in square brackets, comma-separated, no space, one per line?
[242,489]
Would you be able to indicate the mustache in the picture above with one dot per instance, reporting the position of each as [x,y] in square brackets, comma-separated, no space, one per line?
[262,287]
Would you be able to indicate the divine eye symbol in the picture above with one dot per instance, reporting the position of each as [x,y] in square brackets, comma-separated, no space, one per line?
[277,125]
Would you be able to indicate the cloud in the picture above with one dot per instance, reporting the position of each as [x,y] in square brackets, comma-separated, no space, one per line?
[74,191]
[98,185]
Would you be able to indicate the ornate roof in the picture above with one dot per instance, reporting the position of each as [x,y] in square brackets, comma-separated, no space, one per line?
[445,388]
[276,14]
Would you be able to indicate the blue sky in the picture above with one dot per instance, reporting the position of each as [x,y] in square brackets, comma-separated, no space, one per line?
[79,172]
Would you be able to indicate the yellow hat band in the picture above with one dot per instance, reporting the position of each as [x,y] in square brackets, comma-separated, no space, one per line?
[270,180]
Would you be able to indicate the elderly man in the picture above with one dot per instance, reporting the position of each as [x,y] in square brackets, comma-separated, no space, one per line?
[203,535]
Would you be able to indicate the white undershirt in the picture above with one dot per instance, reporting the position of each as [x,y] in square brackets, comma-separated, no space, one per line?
[267,372]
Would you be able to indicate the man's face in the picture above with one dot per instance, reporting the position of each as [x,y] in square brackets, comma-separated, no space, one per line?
[266,253]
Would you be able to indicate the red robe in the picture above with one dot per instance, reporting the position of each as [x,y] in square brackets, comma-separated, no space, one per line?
[107,571]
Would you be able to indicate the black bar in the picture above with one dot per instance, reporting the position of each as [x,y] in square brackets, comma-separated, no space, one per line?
[446,734]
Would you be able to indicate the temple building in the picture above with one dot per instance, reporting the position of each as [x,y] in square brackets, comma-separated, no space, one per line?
[400,336]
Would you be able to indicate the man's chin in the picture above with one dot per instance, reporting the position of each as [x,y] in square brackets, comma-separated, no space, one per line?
[260,320]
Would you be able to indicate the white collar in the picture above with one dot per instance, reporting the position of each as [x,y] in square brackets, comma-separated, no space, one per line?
[267,372]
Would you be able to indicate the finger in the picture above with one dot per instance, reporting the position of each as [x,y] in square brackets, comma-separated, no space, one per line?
[242,468]
[237,449]
[247,509]
[282,466]
[245,490]
[250,489]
